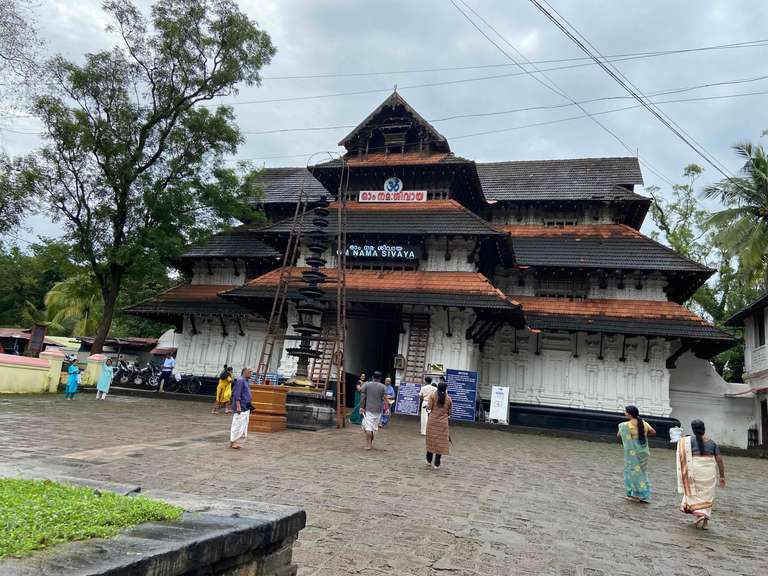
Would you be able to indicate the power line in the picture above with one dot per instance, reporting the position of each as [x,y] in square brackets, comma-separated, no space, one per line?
[612,57]
[584,44]
[532,125]
[549,84]
[663,92]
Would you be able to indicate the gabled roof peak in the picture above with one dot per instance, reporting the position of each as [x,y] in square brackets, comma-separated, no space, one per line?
[394,123]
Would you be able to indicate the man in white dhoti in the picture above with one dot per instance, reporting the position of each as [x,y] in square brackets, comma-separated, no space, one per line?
[426,391]
[241,408]
[372,397]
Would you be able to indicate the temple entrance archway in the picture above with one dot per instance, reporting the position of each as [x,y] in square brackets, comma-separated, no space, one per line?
[372,344]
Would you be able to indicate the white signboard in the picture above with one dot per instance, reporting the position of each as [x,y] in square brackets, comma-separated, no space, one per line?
[500,404]
[392,192]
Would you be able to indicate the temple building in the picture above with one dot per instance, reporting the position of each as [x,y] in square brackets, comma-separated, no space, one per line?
[533,274]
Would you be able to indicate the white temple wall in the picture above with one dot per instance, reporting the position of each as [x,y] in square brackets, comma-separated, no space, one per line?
[454,350]
[652,287]
[205,353]
[556,378]
[532,215]
[459,251]
[224,273]
[698,392]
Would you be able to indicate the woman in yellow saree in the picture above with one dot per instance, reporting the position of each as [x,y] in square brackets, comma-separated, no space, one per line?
[634,436]
[698,464]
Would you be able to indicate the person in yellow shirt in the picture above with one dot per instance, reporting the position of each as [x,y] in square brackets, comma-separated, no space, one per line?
[224,391]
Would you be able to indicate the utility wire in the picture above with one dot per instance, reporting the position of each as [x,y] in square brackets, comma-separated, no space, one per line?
[589,49]
[549,84]
[612,57]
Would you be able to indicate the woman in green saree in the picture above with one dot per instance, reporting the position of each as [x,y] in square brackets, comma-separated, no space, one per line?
[634,435]
[356,417]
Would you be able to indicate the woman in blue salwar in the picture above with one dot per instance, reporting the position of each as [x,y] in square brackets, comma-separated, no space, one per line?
[634,435]
[73,380]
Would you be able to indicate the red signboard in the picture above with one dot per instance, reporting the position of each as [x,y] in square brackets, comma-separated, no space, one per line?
[381,196]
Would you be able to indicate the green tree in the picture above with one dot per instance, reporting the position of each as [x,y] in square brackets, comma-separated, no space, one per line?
[76,302]
[686,227]
[134,157]
[742,226]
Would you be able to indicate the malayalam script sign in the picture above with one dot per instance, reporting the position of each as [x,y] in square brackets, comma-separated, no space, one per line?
[407,399]
[384,251]
[462,388]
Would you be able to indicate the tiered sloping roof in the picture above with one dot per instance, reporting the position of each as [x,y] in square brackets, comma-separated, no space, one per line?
[435,217]
[460,289]
[572,179]
[605,247]
[756,305]
[189,299]
[629,317]
[284,185]
[240,243]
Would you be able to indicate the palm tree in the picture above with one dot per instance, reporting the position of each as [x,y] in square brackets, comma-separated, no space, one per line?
[76,300]
[742,226]
[31,315]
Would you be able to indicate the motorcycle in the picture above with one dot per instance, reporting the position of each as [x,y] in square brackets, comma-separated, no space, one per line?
[186,383]
[125,372]
[146,377]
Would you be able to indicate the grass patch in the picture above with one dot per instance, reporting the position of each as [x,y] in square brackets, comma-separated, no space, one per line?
[36,514]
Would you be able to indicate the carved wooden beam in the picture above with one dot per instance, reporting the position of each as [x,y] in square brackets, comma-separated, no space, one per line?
[672,360]
[240,326]
[194,325]
[224,332]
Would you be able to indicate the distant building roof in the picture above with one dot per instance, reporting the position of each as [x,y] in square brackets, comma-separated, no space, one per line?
[239,243]
[284,185]
[572,179]
[757,304]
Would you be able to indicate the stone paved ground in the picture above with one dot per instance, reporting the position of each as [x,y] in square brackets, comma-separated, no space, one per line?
[504,504]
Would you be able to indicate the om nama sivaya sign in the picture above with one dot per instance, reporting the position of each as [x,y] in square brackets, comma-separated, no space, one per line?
[392,192]
[383,251]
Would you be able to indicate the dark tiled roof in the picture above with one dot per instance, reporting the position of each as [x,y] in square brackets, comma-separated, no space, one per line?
[630,317]
[188,299]
[614,246]
[461,289]
[283,185]
[577,179]
[396,159]
[430,217]
[757,304]
[240,243]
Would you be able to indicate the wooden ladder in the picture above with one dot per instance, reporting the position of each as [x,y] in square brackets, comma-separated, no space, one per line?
[320,372]
[418,339]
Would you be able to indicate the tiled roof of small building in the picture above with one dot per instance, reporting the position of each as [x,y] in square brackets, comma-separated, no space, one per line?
[573,179]
[607,246]
[757,304]
[283,185]
[460,289]
[239,243]
[437,217]
[397,159]
[630,317]
[188,299]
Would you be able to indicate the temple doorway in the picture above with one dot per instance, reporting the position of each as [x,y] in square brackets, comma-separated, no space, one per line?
[372,344]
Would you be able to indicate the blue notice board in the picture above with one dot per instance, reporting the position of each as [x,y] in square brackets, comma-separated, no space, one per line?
[407,399]
[462,388]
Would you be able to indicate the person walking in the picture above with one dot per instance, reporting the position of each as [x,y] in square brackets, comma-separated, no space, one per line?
[386,414]
[634,435]
[372,397]
[223,391]
[105,380]
[424,393]
[355,417]
[166,371]
[73,380]
[698,464]
[241,405]
[439,405]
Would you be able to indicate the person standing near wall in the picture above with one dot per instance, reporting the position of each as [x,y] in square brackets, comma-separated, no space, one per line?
[73,380]
[241,405]
[223,391]
[166,371]
[105,380]
[386,414]
[424,393]
[438,433]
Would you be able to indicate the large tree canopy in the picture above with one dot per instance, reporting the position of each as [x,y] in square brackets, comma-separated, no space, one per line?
[133,161]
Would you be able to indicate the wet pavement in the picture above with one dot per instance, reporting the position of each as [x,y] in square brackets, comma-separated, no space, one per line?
[503,504]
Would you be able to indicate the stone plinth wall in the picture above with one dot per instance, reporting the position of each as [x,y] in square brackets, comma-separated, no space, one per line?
[215,538]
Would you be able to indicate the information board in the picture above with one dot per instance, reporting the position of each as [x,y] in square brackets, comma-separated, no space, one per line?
[500,404]
[407,399]
[273,378]
[462,388]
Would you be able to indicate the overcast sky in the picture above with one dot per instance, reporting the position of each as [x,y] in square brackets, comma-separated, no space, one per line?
[315,37]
